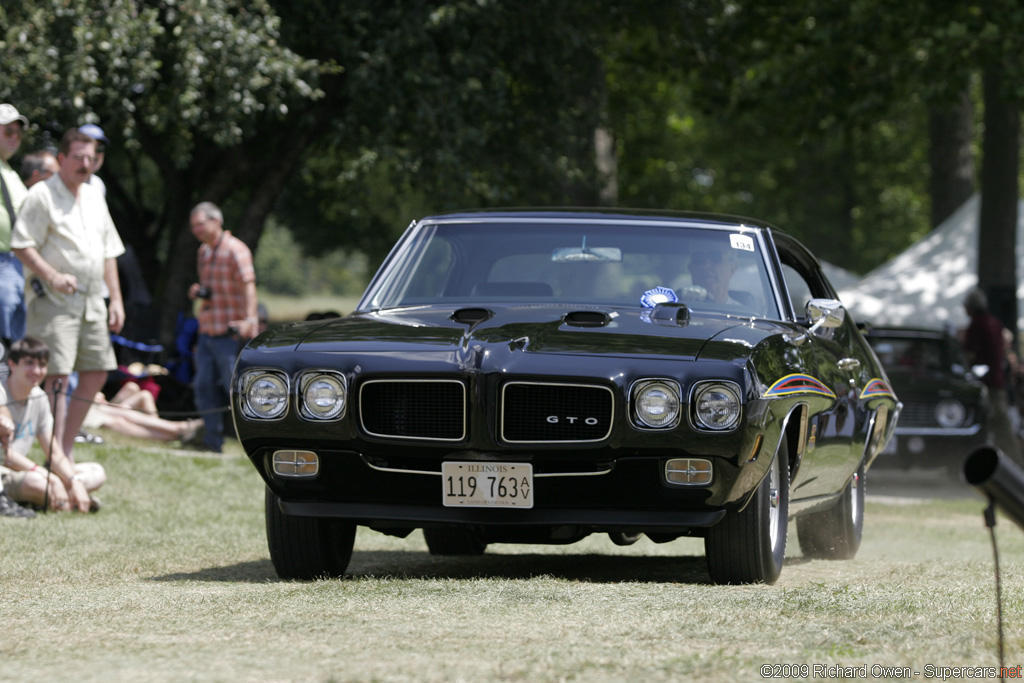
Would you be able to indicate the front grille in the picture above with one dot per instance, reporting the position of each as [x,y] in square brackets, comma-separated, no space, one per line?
[920,414]
[414,409]
[533,412]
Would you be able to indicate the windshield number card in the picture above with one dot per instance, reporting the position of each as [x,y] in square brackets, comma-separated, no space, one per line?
[487,484]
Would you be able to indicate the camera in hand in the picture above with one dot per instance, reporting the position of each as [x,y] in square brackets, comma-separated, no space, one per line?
[204,292]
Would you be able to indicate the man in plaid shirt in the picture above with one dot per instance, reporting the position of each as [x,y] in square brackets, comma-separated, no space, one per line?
[227,315]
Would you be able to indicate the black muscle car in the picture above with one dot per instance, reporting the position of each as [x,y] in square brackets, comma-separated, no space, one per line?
[538,376]
[945,407]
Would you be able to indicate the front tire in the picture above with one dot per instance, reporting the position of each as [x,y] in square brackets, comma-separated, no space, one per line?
[307,548]
[749,546]
[835,534]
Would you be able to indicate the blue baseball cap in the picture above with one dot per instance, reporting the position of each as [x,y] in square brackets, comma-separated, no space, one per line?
[95,132]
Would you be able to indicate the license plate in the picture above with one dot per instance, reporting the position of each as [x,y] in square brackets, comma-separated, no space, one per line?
[487,484]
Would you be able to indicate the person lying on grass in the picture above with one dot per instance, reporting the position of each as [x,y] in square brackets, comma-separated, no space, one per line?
[138,422]
[66,485]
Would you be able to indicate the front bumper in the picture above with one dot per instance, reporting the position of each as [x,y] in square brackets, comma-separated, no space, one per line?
[622,493]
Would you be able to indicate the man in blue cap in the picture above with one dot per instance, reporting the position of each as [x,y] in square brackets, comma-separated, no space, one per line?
[97,134]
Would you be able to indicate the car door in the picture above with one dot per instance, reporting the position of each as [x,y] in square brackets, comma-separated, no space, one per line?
[831,450]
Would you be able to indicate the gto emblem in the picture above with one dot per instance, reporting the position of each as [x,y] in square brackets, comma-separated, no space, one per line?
[554,419]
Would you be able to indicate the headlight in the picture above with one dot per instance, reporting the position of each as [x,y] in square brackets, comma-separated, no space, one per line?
[950,413]
[656,403]
[264,394]
[716,405]
[324,395]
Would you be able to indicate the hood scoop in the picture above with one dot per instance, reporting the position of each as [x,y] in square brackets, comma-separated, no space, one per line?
[587,318]
[472,316]
[670,314]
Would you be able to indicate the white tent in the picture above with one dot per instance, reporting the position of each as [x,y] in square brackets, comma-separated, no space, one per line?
[926,284]
[839,277]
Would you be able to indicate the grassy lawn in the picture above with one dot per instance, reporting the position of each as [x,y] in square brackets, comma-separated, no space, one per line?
[288,309]
[171,581]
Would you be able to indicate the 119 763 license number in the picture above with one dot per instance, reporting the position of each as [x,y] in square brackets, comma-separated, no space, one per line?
[487,484]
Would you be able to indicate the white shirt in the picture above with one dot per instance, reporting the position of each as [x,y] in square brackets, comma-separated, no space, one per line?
[75,235]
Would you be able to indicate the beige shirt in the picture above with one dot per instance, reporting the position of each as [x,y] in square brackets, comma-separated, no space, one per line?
[73,234]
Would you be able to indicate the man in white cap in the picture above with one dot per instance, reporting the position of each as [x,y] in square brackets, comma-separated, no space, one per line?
[12,194]
[97,134]
[12,282]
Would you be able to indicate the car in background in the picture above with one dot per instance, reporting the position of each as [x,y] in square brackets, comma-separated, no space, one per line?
[540,376]
[945,407]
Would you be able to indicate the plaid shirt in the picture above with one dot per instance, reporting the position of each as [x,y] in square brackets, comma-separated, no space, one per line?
[225,268]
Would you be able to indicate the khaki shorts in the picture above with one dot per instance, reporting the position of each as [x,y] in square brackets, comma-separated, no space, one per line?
[78,340]
[12,482]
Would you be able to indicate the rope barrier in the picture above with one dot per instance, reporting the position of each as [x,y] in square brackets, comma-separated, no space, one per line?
[166,414]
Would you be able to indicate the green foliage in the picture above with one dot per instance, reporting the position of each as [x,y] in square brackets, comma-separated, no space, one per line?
[283,268]
[186,69]
[347,120]
[277,263]
[448,105]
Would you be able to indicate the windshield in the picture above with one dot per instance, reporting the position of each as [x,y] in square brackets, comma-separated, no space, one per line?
[577,263]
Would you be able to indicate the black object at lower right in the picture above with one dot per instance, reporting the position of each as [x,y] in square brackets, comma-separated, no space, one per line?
[987,469]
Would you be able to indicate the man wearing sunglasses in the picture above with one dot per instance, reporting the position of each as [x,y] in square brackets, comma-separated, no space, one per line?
[12,194]
[712,268]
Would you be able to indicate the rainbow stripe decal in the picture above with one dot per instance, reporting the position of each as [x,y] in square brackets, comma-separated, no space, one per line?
[798,384]
[877,387]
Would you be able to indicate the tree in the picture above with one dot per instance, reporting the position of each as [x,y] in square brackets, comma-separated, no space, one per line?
[210,99]
[844,64]
[193,94]
[451,104]
[951,134]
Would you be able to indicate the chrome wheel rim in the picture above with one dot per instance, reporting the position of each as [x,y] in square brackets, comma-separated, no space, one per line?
[773,504]
[855,502]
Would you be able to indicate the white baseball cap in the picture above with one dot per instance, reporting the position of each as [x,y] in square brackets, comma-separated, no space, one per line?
[8,114]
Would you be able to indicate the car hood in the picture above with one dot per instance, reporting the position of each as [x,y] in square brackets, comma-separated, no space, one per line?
[527,329]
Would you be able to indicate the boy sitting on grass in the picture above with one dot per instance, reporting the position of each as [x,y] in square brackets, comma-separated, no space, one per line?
[66,485]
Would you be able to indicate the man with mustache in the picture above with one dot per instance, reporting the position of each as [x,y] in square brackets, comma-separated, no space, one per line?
[65,236]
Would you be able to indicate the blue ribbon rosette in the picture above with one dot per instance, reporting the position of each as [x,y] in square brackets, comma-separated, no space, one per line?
[658,295]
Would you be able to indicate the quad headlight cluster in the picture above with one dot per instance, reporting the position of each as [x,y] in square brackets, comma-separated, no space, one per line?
[322,394]
[715,405]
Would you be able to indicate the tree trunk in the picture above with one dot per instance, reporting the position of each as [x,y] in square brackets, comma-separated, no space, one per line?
[997,223]
[951,156]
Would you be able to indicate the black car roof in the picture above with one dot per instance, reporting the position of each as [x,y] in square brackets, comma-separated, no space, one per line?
[655,216]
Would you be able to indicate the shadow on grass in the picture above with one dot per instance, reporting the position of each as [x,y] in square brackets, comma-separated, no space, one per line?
[591,567]
[380,564]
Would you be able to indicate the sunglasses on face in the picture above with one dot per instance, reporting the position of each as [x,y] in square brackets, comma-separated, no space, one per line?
[14,131]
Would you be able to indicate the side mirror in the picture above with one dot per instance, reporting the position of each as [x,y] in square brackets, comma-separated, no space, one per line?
[825,313]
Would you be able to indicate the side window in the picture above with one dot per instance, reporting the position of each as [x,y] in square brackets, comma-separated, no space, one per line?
[799,289]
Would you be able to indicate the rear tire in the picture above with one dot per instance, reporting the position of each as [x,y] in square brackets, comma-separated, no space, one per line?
[749,546]
[450,541]
[307,548]
[835,534]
